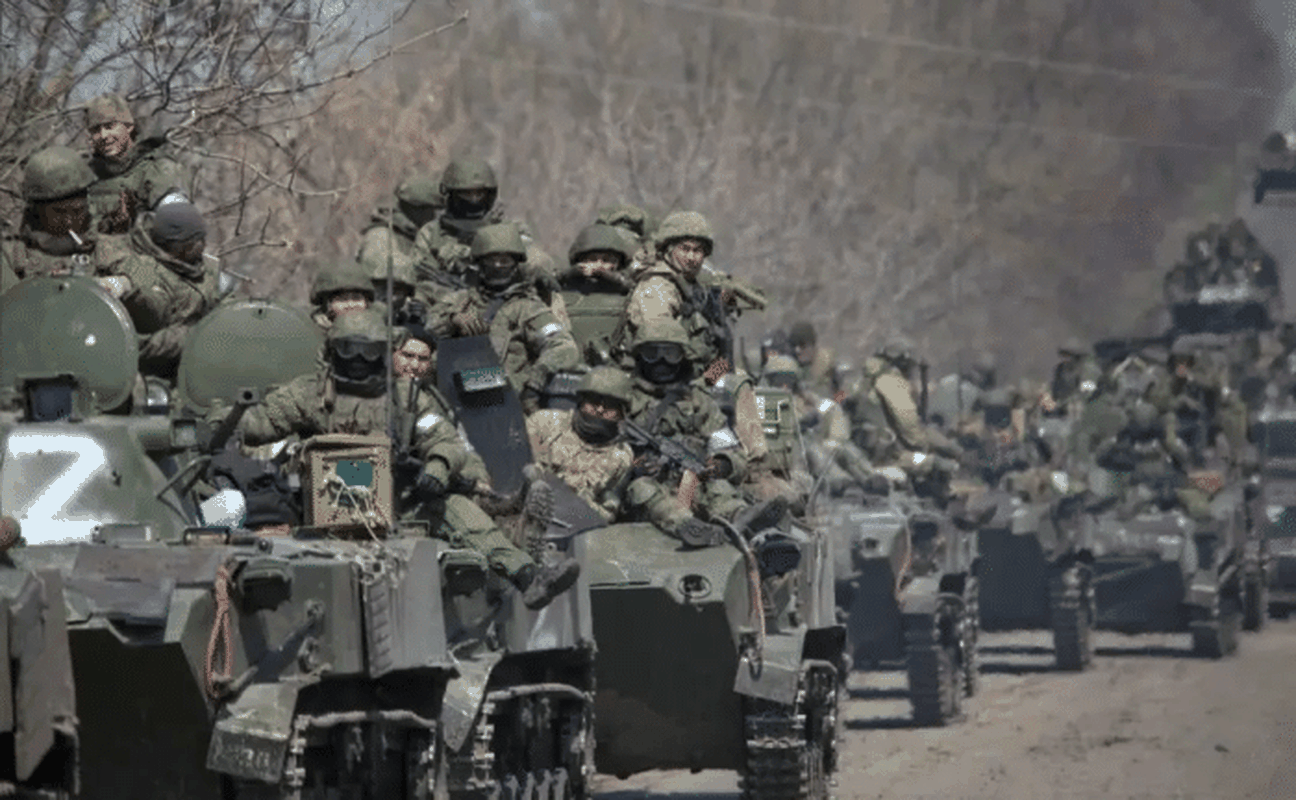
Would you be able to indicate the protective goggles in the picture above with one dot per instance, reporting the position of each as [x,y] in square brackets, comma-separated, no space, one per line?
[659,352]
[349,347]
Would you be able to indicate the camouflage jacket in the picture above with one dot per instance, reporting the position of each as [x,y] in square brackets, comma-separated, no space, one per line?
[820,376]
[132,185]
[885,402]
[686,412]
[388,234]
[531,342]
[309,405]
[32,253]
[661,293]
[596,472]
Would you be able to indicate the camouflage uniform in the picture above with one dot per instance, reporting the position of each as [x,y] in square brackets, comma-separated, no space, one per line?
[166,296]
[531,342]
[330,279]
[137,181]
[311,405]
[596,303]
[686,412]
[819,375]
[596,471]
[392,230]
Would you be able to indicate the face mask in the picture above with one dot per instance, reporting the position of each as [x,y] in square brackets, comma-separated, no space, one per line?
[458,207]
[358,366]
[595,430]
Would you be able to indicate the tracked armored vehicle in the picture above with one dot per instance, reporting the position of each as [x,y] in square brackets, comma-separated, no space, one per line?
[710,660]
[344,659]
[1273,512]
[906,579]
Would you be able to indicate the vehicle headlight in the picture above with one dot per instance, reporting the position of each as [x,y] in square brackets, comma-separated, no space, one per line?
[1274,513]
[1061,482]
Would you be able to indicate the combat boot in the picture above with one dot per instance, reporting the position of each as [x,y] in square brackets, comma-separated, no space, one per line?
[549,581]
[759,516]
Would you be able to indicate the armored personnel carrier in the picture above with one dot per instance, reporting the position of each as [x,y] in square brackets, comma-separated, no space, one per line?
[710,659]
[906,578]
[1273,511]
[351,657]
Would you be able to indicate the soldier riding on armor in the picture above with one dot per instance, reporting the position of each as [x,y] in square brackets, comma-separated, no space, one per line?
[339,288]
[350,396]
[131,175]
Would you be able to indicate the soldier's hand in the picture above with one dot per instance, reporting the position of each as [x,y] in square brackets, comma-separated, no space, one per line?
[116,285]
[429,487]
[470,323]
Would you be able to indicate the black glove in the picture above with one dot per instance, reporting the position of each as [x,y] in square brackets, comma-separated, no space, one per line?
[696,533]
[429,487]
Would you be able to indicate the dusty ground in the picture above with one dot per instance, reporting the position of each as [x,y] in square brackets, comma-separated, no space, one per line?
[1146,722]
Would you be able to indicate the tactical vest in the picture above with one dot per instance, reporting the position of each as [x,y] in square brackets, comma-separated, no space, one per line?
[596,321]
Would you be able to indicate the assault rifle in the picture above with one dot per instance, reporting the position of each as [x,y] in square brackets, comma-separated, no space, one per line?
[669,453]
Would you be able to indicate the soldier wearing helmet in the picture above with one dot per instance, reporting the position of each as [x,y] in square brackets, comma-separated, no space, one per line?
[635,225]
[131,175]
[55,237]
[817,363]
[443,248]
[499,301]
[595,286]
[583,447]
[349,395]
[165,282]
[1075,377]
[393,228]
[670,402]
[340,288]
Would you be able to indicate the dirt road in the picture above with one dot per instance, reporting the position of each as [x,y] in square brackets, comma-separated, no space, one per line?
[1147,721]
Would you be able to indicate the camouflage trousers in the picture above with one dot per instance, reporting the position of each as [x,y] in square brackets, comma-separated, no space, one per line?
[461,522]
[650,500]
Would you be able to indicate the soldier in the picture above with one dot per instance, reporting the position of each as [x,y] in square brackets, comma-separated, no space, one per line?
[132,176]
[414,356]
[669,403]
[165,282]
[392,229]
[1146,453]
[55,237]
[635,226]
[818,367]
[595,286]
[584,447]
[886,423]
[443,248]
[349,395]
[1075,377]
[338,289]
[499,301]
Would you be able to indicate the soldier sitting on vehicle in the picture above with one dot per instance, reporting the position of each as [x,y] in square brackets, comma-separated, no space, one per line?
[131,175]
[672,421]
[595,286]
[349,395]
[443,248]
[165,283]
[887,426]
[818,367]
[583,447]
[55,237]
[1147,458]
[392,229]
[340,288]
[634,223]
[499,301]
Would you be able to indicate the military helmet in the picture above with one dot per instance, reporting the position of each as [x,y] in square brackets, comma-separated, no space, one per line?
[55,173]
[108,108]
[666,330]
[626,217]
[606,382]
[781,371]
[363,325]
[343,276]
[802,334]
[402,273]
[420,190]
[503,237]
[468,173]
[1072,346]
[898,348]
[685,225]
[600,237]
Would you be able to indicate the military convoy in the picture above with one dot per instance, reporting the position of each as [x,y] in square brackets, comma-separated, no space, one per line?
[213,661]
